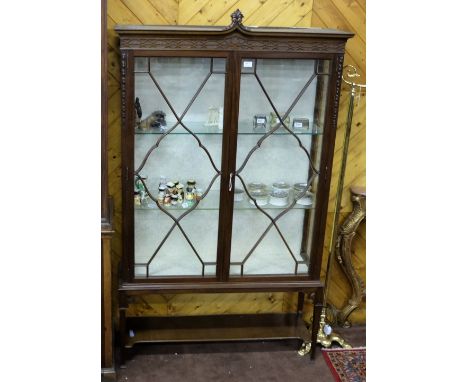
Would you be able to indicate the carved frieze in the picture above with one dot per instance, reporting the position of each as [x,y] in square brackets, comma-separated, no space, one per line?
[234,42]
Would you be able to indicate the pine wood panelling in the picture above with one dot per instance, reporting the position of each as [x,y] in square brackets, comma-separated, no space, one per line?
[293,13]
[210,13]
[326,13]
[144,11]
[168,9]
[342,14]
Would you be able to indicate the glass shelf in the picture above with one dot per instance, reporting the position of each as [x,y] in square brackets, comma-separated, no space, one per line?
[211,202]
[243,129]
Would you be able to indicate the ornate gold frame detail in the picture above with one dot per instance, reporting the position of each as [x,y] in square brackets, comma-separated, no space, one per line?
[343,255]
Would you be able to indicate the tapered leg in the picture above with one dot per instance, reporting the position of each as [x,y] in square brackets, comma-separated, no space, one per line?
[300,302]
[318,305]
[122,329]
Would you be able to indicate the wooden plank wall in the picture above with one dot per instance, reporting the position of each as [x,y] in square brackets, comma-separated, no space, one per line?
[341,14]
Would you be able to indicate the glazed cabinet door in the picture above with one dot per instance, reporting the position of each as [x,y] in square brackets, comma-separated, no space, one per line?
[176,158]
[280,130]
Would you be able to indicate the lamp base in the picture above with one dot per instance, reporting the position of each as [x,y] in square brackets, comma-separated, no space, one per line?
[325,337]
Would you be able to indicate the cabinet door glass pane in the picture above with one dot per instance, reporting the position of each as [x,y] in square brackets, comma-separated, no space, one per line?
[178,139]
[280,128]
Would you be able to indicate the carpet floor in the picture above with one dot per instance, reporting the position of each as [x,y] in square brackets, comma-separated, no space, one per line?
[233,361]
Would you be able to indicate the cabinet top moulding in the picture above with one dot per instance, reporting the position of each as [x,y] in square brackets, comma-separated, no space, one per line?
[302,39]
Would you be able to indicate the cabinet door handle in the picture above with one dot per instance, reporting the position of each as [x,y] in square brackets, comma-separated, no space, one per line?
[230,181]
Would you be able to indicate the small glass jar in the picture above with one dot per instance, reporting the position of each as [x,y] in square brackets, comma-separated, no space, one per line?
[174,200]
[238,195]
[303,195]
[260,196]
[307,200]
[254,186]
[281,186]
[279,198]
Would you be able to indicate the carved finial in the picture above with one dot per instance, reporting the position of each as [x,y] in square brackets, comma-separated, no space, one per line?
[237,17]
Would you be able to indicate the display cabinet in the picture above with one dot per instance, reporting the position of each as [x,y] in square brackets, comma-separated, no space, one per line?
[227,146]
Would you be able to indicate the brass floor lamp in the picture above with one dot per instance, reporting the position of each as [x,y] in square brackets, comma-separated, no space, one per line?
[325,335]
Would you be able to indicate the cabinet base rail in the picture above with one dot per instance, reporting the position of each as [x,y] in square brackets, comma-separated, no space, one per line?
[215,328]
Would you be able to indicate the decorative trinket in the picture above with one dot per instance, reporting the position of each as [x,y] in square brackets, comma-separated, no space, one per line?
[138,112]
[259,121]
[215,117]
[274,120]
[191,183]
[155,120]
[140,188]
[189,196]
[180,192]
[300,124]
[137,198]
[160,120]
[161,193]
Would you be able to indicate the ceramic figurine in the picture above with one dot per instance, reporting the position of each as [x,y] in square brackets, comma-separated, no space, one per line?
[155,119]
[160,121]
[139,113]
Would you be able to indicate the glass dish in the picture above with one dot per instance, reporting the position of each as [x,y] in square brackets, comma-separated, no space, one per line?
[279,198]
[238,195]
[260,196]
[281,186]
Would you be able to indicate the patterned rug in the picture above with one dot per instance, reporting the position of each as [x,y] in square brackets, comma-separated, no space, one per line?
[346,365]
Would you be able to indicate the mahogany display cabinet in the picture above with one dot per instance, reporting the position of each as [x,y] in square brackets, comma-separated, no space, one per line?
[227,149]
